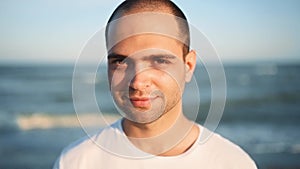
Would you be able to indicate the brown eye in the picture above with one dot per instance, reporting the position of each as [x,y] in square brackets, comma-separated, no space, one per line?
[161,61]
[118,63]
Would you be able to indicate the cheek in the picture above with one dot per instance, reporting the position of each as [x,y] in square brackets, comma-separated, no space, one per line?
[170,82]
[174,76]
[116,79]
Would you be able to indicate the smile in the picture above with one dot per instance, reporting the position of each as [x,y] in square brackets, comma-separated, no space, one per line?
[143,102]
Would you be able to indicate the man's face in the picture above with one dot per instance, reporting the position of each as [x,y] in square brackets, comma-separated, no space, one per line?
[147,76]
[146,71]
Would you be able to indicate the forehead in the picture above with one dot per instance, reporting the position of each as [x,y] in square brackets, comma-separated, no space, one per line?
[153,44]
[143,23]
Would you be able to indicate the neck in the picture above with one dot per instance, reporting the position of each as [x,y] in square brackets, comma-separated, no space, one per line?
[172,132]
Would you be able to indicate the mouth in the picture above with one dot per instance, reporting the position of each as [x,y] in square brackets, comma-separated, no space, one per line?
[142,102]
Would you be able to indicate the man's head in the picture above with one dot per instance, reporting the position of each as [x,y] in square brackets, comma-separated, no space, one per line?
[129,7]
[149,60]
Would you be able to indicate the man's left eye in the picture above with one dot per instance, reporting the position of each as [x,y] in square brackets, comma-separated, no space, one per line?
[161,61]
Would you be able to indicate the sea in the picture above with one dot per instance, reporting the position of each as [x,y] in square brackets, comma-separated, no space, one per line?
[261,113]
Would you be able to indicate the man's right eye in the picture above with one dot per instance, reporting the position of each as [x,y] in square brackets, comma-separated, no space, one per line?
[118,63]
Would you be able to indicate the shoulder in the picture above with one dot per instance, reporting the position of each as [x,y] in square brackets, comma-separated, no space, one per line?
[75,153]
[85,148]
[226,153]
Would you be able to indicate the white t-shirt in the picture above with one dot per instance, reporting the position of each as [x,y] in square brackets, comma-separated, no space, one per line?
[111,149]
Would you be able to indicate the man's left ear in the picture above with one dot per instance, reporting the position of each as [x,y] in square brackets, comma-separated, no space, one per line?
[190,64]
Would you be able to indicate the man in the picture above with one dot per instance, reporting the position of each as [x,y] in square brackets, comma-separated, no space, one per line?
[149,62]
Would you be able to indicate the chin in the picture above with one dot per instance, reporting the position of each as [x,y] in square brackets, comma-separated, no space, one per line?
[143,116]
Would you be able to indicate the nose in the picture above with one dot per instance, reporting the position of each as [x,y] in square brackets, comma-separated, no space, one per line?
[141,78]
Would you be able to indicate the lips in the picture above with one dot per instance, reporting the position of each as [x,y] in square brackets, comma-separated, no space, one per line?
[142,102]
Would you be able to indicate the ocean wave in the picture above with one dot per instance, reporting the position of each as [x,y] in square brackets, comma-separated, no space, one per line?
[273,148]
[45,121]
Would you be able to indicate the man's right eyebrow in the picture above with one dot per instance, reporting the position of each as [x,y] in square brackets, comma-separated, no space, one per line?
[115,55]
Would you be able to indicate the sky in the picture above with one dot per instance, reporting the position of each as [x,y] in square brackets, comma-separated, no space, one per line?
[52,31]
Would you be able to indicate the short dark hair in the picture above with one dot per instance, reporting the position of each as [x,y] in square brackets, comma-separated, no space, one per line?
[151,6]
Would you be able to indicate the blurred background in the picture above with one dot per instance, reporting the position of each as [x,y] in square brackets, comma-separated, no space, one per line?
[258,43]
